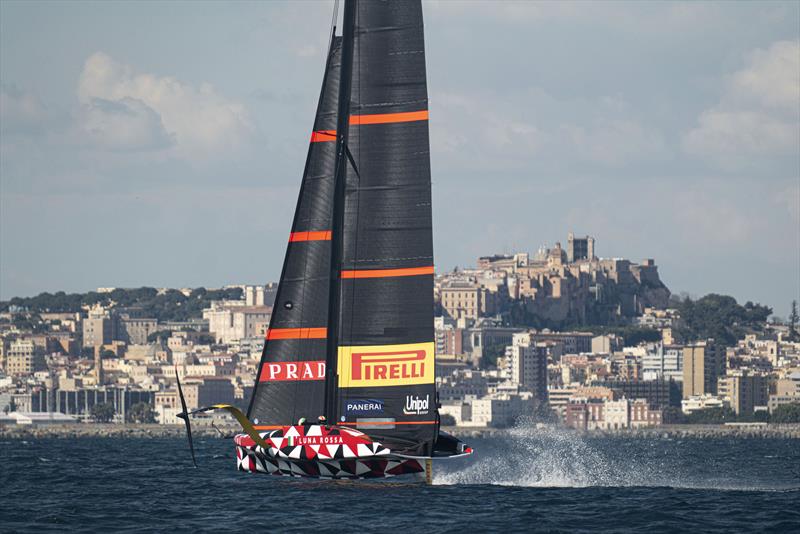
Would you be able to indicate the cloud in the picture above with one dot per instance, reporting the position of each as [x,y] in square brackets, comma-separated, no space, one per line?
[21,112]
[530,128]
[758,115]
[199,121]
[125,124]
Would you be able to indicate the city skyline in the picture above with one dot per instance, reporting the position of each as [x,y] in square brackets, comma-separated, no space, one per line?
[143,145]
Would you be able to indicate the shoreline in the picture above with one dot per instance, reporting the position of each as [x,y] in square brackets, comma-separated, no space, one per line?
[149,431]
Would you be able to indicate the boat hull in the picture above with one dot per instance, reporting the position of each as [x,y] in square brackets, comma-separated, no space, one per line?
[320,451]
[253,460]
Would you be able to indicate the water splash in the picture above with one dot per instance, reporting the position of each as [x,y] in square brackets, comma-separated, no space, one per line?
[528,456]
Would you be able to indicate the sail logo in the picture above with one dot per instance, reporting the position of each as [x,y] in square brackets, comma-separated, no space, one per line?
[386,365]
[292,371]
[363,407]
[416,405]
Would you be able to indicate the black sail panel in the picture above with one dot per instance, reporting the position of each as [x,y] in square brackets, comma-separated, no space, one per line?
[385,339]
[291,379]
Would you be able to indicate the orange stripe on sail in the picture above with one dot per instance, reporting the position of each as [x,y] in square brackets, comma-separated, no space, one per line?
[320,136]
[365,423]
[386,118]
[386,273]
[297,333]
[321,235]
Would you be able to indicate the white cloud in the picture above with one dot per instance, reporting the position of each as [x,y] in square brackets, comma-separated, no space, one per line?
[758,115]
[773,77]
[199,120]
[125,124]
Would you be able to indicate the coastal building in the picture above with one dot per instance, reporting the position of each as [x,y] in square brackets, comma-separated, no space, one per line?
[135,330]
[744,391]
[573,342]
[580,248]
[36,418]
[558,399]
[529,365]
[99,327]
[501,409]
[584,414]
[230,322]
[467,299]
[702,402]
[24,357]
[703,364]
[208,390]
[657,393]
[662,361]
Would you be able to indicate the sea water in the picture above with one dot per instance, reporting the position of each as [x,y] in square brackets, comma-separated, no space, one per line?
[526,480]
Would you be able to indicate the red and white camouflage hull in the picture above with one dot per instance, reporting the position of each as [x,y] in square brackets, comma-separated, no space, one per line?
[322,452]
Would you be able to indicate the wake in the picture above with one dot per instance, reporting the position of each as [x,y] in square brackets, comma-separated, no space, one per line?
[556,458]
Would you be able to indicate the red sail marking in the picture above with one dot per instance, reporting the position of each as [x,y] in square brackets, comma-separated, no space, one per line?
[386,273]
[322,136]
[297,333]
[385,118]
[321,235]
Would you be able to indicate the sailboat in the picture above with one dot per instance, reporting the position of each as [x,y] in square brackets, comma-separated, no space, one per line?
[346,383]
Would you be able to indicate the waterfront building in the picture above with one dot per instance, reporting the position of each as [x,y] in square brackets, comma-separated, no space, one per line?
[703,363]
[657,393]
[584,413]
[501,409]
[744,391]
[702,402]
[558,399]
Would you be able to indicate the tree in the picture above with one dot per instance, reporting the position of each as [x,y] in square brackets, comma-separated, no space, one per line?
[141,412]
[673,415]
[786,413]
[490,355]
[711,416]
[206,339]
[720,317]
[102,412]
[158,335]
[793,318]
[447,420]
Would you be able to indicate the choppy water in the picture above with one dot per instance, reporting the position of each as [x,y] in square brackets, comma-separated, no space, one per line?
[529,481]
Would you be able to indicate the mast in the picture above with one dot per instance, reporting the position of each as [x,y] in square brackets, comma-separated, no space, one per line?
[337,237]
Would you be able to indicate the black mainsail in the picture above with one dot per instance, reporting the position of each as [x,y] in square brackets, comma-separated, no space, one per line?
[385,337]
[291,378]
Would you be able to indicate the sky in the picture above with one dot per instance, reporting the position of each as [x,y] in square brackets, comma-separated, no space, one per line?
[162,143]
